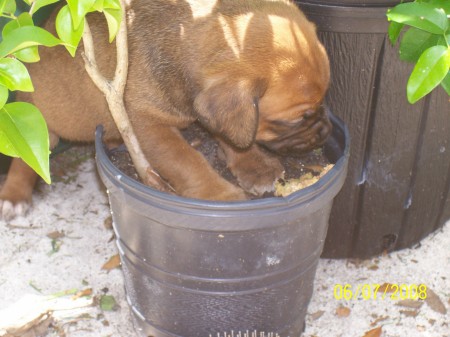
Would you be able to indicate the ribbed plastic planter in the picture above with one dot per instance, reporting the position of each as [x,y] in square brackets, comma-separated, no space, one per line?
[397,189]
[197,268]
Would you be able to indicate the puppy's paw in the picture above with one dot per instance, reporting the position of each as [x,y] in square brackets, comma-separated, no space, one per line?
[14,201]
[217,189]
[9,210]
[255,170]
[231,193]
[259,177]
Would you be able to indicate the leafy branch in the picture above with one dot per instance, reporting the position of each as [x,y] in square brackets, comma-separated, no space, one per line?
[426,42]
[23,132]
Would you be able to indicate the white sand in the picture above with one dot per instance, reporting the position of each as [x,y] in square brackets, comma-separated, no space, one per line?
[79,208]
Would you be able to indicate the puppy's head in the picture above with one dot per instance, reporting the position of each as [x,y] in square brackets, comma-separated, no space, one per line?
[268,82]
[292,118]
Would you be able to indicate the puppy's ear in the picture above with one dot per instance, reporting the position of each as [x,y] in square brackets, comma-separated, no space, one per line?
[230,109]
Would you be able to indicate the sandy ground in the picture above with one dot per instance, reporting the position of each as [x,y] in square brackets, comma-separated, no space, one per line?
[65,240]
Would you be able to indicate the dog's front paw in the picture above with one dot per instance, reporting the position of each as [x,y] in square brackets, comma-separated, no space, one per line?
[258,177]
[9,210]
[255,170]
[13,202]
[216,189]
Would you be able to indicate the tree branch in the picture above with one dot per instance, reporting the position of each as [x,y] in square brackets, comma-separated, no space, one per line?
[113,91]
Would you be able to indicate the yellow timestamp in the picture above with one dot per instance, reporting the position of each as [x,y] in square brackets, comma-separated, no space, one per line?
[377,291]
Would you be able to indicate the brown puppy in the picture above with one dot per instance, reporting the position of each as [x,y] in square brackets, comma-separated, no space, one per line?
[251,71]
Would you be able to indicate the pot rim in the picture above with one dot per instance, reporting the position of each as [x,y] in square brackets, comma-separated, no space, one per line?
[335,176]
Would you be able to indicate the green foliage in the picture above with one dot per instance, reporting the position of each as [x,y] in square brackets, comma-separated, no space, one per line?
[426,42]
[66,30]
[23,131]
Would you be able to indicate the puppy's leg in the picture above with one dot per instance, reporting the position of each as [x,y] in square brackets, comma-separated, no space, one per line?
[15,194]
[185,168]
[255,170]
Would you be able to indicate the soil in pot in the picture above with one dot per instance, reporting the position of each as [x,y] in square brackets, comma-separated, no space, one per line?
[300,172]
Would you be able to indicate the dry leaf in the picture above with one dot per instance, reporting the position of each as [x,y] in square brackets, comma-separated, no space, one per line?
[378,320]
[85,292]
[376,332]
[434,302]
[421,328]
[56,235]
[317,314]
[343,311]
[410,313]
[113,263]
[387,288]
[412,304]
[108,223]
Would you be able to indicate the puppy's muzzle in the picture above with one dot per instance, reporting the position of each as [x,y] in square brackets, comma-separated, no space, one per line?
[296,138]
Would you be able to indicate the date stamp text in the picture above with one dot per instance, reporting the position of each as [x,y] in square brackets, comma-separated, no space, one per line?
[375,291]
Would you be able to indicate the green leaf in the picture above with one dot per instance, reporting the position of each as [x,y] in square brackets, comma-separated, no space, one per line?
[113,18]
[444,4]
[107,303]
[446,83]
[4,93]
[111,4]
[66,31]
[14,75]
[420,15]
[78,10]
[8,6]
[22,20]
[431,68]
[394,31]
[23,133]
[38,4]
[25,37]
[415,42]
[30,54]
[98,5]
[6,147]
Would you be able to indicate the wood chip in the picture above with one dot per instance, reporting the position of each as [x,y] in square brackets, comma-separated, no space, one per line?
[33,313]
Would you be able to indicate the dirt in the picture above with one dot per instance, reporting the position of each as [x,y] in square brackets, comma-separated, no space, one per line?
[306,169]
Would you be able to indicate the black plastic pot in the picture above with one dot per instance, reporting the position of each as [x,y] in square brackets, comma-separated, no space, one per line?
[197,268]
[397,188]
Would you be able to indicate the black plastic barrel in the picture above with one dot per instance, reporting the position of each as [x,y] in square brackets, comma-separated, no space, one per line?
[198,268]
[397,189]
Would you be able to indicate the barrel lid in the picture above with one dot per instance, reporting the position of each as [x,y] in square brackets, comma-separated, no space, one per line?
[348,16]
